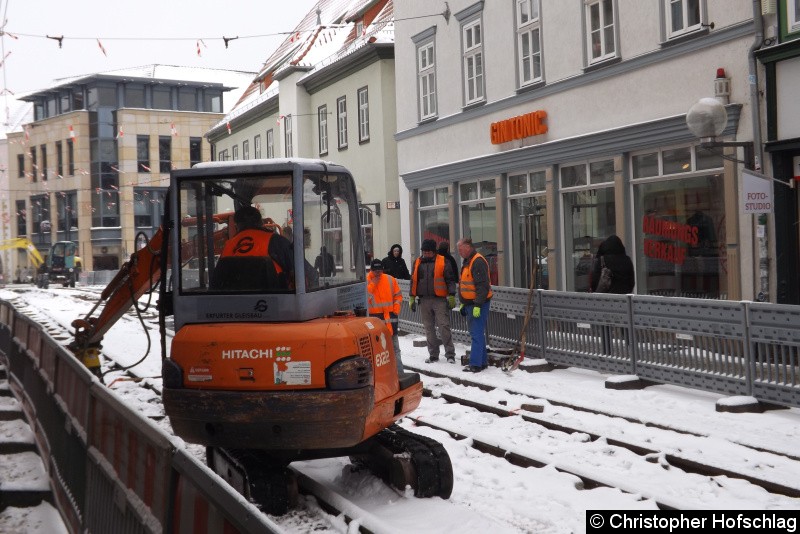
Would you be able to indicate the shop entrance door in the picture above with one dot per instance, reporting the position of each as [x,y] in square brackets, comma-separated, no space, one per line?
[533,246]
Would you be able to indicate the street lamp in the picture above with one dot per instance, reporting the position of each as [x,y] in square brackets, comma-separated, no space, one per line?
[707,120]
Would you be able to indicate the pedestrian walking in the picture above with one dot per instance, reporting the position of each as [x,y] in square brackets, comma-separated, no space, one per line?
[612,272]
[475,293]
[433,285]
[395,265]
[384,299]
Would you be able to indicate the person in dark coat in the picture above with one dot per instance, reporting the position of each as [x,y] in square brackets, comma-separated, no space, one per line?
[444,250]
[395,265]
[612,251]
[325,264]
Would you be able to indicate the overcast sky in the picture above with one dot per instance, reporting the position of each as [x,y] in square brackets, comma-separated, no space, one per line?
[137,33]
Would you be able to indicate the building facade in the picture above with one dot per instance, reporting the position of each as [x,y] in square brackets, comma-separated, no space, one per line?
[540,127]
[93,166]
[780,56]
[328,92]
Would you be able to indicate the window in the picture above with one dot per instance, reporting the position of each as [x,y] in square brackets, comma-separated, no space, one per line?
[529,45]
[363,115]
[71,157]
[793,15]
[43,149]
[162,98]
[601,33]
[59,160]
[20,165]
[235,152]
[22,218]
[479,219]
[40,215]
[528,211]
[164,153]
[341,121]
[257,147]
[683,16]
[322,123]
[427,81]
[287,136]
[195,150]
[434,214]
[147,207]
[66,205]
[365,215]
[143,153]
[679,223]
[270,143]
[34,165]
[245,149]
[589,217]
[472,46]
[187,99]
[134,96]
[223,155]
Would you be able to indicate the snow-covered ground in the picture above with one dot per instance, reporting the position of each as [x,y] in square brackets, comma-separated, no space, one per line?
[489,493]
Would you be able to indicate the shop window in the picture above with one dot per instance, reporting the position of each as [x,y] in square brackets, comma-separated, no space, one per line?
[67,207]
[589,217]
[680,232]
[677,161]
[528,221]
[22,218]
[478,210]
[434,214]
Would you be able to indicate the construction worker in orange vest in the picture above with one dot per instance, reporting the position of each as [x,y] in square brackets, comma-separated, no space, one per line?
[475,293]
[384,299]
[433,284]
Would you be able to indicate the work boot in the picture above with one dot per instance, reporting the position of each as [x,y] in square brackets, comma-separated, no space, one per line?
[473,369]
[432,359]
[451,358]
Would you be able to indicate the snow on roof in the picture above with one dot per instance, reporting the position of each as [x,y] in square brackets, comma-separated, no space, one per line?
[324,36]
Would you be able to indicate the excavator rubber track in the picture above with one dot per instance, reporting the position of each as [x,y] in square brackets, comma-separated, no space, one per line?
[403,458]
[264,480]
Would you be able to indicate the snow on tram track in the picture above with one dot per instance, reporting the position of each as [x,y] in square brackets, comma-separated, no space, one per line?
[522,461]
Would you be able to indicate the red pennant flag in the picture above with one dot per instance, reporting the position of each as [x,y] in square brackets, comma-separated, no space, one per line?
[229,127]
[120,133]
[173,130]
[103,50]
[27,134]
[280,118]
[71,132]
[200,42]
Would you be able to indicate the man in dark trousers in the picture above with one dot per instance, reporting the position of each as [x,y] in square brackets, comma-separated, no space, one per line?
[475,292]
[433,284]
[324,264]
[611,254]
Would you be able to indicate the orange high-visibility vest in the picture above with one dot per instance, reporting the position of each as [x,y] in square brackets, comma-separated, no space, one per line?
[439,284]
[467,284]
[250,242]
[383,296]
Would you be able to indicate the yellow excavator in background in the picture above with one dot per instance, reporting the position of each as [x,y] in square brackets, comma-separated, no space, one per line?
[24,243]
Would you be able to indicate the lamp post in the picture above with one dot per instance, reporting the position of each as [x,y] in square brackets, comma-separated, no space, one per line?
[707,120]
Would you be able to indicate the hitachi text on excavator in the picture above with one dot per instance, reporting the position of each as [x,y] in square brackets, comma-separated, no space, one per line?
[272,361]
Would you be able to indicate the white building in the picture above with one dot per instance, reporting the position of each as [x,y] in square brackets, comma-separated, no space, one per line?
[328,92]
[539,128]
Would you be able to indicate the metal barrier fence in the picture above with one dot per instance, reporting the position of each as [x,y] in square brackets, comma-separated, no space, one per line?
[735,348]
[111,469]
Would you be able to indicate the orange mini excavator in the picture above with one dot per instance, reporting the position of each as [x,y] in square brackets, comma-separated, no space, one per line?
[271,362]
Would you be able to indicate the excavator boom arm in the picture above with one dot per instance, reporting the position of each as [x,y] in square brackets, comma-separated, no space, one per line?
[23,243]
[137,276]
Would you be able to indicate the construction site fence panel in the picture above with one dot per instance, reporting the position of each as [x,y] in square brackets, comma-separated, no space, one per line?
[111,468]
[728,347]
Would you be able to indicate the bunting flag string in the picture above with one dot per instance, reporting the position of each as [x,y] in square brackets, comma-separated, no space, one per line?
[173,130]
[102,49]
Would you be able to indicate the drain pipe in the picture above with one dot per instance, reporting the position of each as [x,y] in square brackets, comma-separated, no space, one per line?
[755,106]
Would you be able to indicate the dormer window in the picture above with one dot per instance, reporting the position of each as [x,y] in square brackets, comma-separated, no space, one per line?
[359,28]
